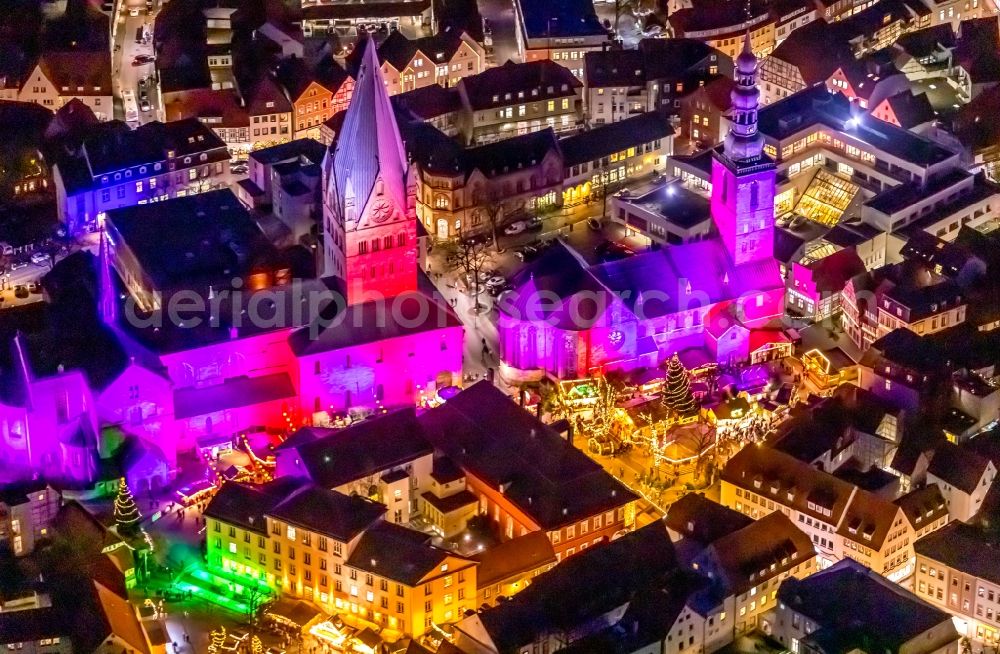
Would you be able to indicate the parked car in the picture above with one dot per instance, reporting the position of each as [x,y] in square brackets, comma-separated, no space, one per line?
[6,249]
[527,253]
[612,251]
[17,265]
[238,169]
[594,224]
[496,281]
[21,291]
[40,258]
[34,287]
[515,227]
[144,105]
[142,59]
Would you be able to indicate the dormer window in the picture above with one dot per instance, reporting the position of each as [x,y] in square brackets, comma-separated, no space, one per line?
[142,170]
[104,180]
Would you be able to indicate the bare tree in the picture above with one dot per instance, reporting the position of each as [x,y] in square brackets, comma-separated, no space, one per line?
[493,210]
[470,254]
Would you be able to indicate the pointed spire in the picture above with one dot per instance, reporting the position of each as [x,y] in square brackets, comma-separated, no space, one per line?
[369,146]
[106,292]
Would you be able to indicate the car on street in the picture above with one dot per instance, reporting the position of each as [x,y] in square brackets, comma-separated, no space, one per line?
[527,253]
[594,224]
[144,105]
[142,59]
[17,265]
[40,258]
[21,291]
[238,169]
[612,251]
[35,288]
[496,281]
[515,228]
[6,249]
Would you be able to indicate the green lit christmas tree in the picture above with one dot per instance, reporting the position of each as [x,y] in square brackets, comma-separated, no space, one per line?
[677,390]
[127,514]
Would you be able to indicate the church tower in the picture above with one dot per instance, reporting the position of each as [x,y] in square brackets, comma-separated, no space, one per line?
[369,220]
[743,177]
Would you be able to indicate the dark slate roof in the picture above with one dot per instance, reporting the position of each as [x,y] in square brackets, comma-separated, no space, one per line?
[911,110]
[234,393]
[967,548]
[923,506]
[328,512]
[363,449]
[815,50]
[959,466]
[547,77]
[563,598]
[412,313]
[397,553]
[549,480]
[848,601]
[514,557]
[560,18]
[197,239]
[244,506]
[509,155]
[614,68]
[672,58]
[309,149]
[427,102]
[398,50]
[603,140]
[113,146]
[699,518]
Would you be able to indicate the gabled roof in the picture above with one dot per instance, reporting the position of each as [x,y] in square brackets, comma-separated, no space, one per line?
[965,547]
[514,557]
[501,86]
[923,507]
[959,466]
[267,97]
[832,273]
[856,608]
[911,110]
[546,478]
[604,140]
[244,505]
[563,598]
[328,512]
[745,557]
[78,73]
[696,517]
[369,447]
[398,554]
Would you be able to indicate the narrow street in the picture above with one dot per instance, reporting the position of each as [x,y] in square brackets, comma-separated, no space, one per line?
[125,75]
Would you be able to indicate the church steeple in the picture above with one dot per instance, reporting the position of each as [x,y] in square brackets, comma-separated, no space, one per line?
[743,177]
[743,142]
[368,211]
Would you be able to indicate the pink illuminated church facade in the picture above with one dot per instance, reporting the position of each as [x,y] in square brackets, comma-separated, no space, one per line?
[393,342]
[716,299]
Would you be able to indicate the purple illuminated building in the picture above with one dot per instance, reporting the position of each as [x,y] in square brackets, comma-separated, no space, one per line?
[569,319]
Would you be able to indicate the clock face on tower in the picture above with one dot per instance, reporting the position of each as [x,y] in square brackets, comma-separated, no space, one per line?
[381,210]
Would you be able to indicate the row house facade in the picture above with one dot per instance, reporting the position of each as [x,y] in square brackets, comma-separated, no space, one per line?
[843,520]
[118,167]
[953,575]
[442,59]
[59,77]
[516,99]
[351,561]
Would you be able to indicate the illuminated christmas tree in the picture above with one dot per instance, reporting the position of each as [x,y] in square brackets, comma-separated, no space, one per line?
[127,514]
[677,390]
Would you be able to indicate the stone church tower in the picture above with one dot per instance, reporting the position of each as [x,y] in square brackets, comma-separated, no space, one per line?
[369,220]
